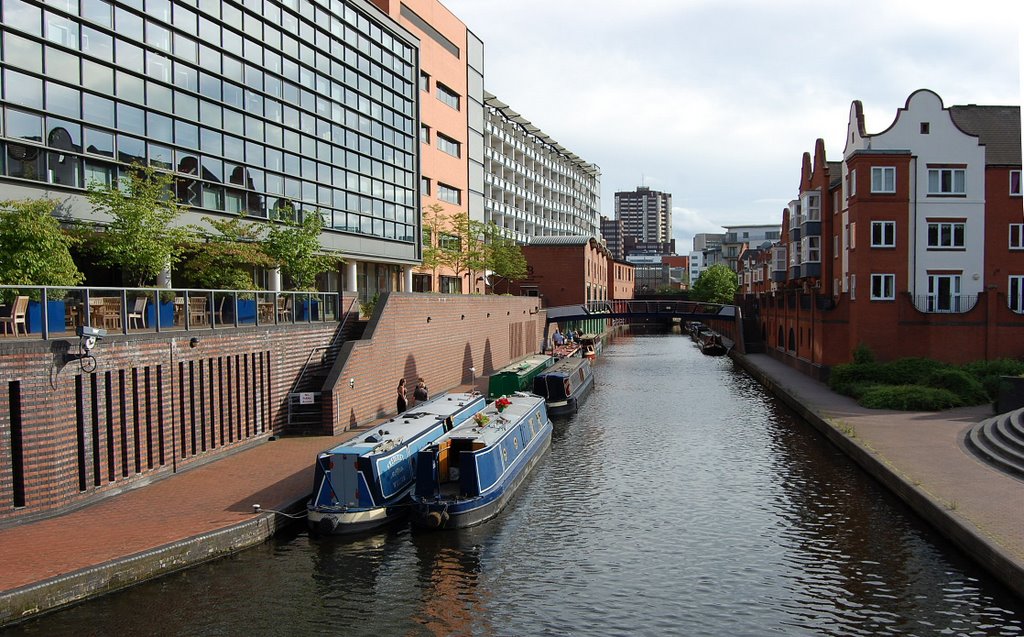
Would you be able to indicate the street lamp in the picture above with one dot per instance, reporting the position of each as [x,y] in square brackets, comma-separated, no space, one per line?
[472,370]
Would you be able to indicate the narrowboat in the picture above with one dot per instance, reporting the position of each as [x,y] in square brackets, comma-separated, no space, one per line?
[711,344]
[564,385]
[592,345]
[365,482]
[518,376]
[469,474]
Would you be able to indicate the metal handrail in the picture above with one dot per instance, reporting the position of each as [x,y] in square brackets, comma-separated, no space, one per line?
[212,313]
[945,304]
[338,335]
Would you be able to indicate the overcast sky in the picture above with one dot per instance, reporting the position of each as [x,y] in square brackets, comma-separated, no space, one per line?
[715,101]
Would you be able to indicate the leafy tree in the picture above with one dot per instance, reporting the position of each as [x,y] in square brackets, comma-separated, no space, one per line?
[717,284]
[35,249]
[461,245]
[225,260]
[433,220]
[295,247]
[504,256]
[140,238]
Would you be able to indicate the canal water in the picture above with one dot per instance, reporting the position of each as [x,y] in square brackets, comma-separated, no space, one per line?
[681,500]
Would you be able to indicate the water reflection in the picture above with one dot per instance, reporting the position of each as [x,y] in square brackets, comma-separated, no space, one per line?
[681,499]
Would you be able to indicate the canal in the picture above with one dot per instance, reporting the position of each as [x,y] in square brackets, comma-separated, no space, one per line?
[682,500]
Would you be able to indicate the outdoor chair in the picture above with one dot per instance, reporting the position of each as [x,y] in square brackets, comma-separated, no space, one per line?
[110,312]
[16,317]
[197,311]
[284,308]
[138,313]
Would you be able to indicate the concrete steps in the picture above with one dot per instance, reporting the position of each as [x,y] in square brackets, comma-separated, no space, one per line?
[1000,441]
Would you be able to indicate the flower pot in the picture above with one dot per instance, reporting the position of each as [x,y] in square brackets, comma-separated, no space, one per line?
[166,315]
[309,310]
[246,309]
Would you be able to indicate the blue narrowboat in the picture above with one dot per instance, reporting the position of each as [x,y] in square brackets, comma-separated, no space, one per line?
[365,482]
[565,384]
[468,475]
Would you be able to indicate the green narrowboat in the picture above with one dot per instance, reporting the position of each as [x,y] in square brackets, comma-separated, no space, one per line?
[518,376]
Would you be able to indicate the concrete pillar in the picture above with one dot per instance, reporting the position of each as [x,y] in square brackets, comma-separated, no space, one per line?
[163,279]
[351,274]
[274,280]
[407,282]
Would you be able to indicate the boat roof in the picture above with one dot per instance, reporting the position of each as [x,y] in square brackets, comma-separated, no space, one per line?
[407,425]
[524,365]
[564,367]
[499,423]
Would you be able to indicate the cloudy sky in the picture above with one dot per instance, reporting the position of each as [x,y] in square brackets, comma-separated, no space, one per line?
[715,101]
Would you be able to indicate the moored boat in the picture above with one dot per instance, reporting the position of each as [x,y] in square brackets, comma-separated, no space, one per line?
[565,384]
[711,344]
[469,474]
[365,482]
[518,376]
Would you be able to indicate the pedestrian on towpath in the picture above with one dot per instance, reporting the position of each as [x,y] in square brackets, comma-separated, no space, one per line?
[403,401]
[420,393]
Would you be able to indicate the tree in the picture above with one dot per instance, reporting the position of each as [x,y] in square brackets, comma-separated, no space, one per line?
[226,258]
[36,251]
[433,220]
[717,284]
[461,245]
[504,256]
[140,238]
[295,247]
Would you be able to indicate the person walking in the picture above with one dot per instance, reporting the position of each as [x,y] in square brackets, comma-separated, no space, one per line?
[420,393]
[403,401]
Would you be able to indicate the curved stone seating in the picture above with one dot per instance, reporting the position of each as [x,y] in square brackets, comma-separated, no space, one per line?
[999,441]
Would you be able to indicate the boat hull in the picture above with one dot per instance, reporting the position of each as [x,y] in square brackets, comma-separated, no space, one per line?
[466,513]
[327,522]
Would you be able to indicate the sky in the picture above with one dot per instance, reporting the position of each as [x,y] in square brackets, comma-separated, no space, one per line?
[716,101]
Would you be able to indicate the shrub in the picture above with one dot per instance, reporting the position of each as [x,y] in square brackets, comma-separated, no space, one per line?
[863,354]
[909,398]
[988,372]
[848,373]
[909,371]
[958,381]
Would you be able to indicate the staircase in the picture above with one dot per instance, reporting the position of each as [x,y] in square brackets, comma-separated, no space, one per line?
[305,403]
[999,441]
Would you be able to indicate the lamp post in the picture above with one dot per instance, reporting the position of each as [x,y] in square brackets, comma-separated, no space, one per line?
[472,370]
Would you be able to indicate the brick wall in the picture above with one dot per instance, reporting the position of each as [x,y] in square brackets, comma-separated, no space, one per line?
[154,404]
[438,337]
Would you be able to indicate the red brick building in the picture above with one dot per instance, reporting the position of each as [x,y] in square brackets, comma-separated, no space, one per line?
[568,270]
[913,245]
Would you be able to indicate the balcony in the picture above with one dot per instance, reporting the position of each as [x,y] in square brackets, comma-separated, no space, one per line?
[945,304]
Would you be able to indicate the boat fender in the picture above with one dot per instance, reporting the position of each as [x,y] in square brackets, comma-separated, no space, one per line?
[434,519]
[325,526]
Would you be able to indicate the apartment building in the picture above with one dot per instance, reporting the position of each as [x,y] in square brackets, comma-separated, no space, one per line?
[646,214]
[535,187]
[911,245]
[451,127]
[263,107]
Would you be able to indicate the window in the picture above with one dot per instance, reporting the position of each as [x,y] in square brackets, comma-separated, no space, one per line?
[450,285]
[448,242]
[449,194]
[811,206]
[883,287]
[1015,188]
[946,235]
[448,145]
[448,96]
[883,179]
[946,181]
[851,184]
[424,134]
[811,249]
[424,185]
[1016,294]
[1017,236]
[883,234]
[943,292]
[424,81]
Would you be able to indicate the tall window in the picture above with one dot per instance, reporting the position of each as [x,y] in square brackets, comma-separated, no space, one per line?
[883,287]
[946,235]
[448,96]
[943,292]
[811,205]
[424,134]
[883,179]
[883,234]
[1015,183]
[448,145]
[811,249]
[1016,294]
[424,81]
[450,285]
[947,181]
[1017,236]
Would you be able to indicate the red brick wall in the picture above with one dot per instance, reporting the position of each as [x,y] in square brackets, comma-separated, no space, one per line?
[438,337]
[152,406]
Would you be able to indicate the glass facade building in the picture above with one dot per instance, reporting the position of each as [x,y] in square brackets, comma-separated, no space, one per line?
[262,107]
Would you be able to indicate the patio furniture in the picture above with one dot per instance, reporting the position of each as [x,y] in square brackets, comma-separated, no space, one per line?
[16,317]
[138,313]
[197,311]
[284,308]
[106,313]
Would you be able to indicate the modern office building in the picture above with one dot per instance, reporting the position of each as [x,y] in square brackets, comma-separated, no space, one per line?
[646,214]
[534,186]
[263,107]
[611,232]
[451,129]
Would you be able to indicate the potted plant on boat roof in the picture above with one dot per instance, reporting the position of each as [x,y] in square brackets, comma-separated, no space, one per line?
[36,252]
[502,403]
[481,419]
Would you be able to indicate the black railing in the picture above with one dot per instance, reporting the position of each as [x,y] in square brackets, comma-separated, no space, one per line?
[945,303]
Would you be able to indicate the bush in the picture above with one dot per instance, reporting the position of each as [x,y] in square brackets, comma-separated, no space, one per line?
[863,354]
[909,398]
[849,373]
[961,383]
[909,371]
